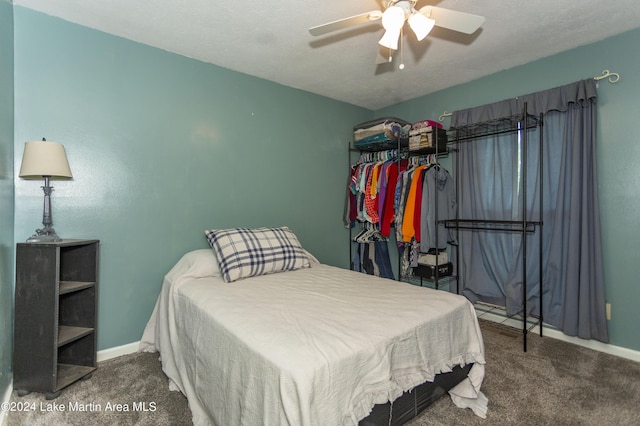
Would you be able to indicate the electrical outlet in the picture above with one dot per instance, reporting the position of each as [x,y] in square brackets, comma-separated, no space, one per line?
[608,311]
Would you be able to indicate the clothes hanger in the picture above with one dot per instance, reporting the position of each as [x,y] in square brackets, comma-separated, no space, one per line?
[356,237]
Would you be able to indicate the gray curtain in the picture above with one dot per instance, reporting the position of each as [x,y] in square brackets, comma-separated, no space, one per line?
[490,174]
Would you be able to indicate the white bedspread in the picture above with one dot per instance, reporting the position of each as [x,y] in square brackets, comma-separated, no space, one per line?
[317,346]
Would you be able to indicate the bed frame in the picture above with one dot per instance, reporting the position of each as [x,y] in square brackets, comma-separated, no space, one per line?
[413,402]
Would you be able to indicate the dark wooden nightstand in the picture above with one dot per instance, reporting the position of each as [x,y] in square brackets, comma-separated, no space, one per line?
[54,342]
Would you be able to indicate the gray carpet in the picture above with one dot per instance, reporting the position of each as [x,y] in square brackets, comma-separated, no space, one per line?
[553,383]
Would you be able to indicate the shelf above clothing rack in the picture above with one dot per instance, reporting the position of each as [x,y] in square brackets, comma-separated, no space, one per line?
[392,154]
[494,127]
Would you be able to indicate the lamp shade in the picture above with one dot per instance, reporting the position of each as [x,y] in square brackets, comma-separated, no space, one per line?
[44,158]
[421,25]
[393,18]
[390,39]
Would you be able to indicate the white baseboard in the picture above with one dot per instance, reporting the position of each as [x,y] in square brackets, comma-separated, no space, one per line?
[592,344]
[552,332]
[127,349]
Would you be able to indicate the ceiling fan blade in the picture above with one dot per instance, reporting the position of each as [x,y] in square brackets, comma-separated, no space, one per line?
[345,23]
[453,20]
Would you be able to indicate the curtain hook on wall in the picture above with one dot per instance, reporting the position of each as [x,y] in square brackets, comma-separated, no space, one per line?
[443,115]
[613,77]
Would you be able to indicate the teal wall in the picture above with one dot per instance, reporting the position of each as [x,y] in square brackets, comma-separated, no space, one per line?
[6,193]
[162,147]
[618,151]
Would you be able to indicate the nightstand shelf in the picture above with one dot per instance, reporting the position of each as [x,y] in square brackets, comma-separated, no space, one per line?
[55,315]
[69,334]
[69,286]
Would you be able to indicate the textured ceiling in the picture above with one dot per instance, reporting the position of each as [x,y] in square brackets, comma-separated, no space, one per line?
[270,39]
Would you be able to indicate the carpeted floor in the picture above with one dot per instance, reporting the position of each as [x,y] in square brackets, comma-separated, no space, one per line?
[553,383]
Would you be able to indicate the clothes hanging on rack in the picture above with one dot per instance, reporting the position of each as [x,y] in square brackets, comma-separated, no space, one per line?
[384,191]
[366,193]
[414,198]
[393,192]
[437,183]
[371,182]
[389,209]
[370,253]
[372,258]
[409,220]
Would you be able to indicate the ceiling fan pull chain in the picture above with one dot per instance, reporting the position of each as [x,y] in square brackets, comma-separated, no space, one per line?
[401,66]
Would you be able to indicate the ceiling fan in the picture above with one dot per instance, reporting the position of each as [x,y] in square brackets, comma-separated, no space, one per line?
[397,12]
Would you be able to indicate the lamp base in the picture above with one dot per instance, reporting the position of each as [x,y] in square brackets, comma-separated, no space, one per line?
[46,235]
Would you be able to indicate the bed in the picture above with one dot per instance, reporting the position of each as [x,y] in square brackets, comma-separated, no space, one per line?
[308,345]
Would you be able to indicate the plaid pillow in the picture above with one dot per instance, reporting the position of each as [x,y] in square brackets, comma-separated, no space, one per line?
[244,252]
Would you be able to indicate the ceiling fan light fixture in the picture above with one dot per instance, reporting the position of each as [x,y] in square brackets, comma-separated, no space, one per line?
[390,39]
[393,18]
[421,25]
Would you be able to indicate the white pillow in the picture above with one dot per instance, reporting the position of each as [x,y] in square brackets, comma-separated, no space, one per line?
[244,252]
[197,264]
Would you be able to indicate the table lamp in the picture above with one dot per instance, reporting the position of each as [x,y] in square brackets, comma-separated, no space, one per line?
[45,160]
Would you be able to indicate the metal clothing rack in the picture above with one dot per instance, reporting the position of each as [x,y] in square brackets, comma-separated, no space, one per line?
[398,152]
[515,124]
